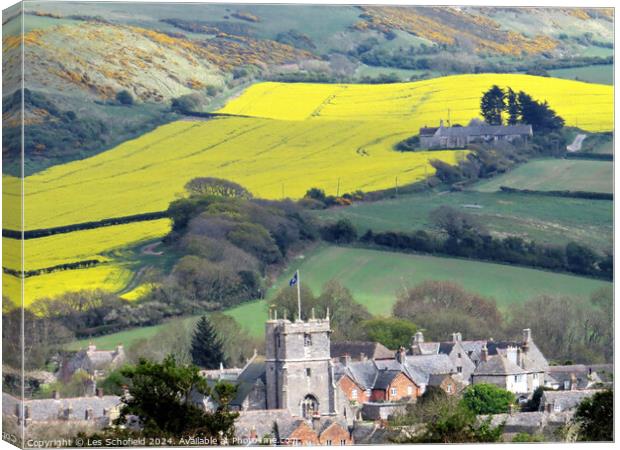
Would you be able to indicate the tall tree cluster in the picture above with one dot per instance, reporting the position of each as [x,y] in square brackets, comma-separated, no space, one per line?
[519,107]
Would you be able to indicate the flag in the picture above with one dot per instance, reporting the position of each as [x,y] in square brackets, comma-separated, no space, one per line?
[293,281]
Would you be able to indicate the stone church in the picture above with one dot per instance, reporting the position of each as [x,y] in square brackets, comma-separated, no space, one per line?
[299,374]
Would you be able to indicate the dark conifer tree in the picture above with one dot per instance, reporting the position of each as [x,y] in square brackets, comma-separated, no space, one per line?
[539,115]
[492,105]
[512,107]
[206,347]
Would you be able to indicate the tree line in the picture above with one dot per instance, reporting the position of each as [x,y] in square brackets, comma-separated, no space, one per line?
[520,108]
[462,235]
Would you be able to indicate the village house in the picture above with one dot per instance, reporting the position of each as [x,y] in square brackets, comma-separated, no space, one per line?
[564,401]
[572,377]
[99,410]
[517,366]
[94,362]
[460,137]
[279,427]
[360,350]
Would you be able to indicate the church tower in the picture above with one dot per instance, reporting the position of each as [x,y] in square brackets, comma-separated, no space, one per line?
[299,371]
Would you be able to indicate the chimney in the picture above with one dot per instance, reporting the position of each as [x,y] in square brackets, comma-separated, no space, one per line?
[91,347]
[316,421]
[119,348]
[573,382]
[100,392]
[401,354]
[459,336]
[440,123]
[484,354]
[55,395]
[418,338]
[347,359]
[527,336]
[519,357]
[454,337]
[363,357]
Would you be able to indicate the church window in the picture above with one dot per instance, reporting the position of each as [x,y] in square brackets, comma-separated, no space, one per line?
[307,340]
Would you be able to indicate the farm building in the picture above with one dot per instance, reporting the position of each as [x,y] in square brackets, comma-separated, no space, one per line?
[459,137]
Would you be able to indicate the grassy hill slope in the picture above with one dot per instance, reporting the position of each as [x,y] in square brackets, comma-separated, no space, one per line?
[550,220]
[556,175]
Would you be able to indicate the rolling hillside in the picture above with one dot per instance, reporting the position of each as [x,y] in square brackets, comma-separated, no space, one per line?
[556,175]
[323,132]
[547,220]
[282,140]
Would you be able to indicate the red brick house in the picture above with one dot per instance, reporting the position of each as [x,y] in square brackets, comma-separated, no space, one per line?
[335,434]
[392,386]
[354,391]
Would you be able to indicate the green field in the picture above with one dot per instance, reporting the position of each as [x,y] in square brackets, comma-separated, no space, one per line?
[598,143]
[555,175]
[548,220]
[602,73]
[252,315]
[374,277]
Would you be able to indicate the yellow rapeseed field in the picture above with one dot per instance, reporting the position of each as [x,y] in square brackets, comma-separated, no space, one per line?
[110,277]
[80,245]
[587,105]
[272,158]
[291,137]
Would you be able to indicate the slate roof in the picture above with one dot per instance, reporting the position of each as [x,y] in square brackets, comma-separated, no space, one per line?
[261,421]
[605,372]
[498,365]
[49,408]
[249,376]
[485,130]
[561,374]
[363,373]
[420,378]
[437,379]
[428,131]
[528,422]
[354,349]
[427,348]
[567,400]
[431,364]
[385,378]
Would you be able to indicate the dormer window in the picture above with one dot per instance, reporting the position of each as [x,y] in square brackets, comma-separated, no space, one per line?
[307,340]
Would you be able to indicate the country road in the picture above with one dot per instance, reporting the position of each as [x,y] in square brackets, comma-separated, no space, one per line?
[576,145]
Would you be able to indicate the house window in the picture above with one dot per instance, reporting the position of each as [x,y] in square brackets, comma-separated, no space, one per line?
[566,385]
[459,369]
[308,372]
[354,394]
[458,355]
[329,442]
[409,390]
[393,391]
[557,407]
[343,442]
[449,389]
[368,393]
[307,340]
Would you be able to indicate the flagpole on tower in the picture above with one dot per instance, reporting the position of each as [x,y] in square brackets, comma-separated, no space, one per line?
[299,294]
